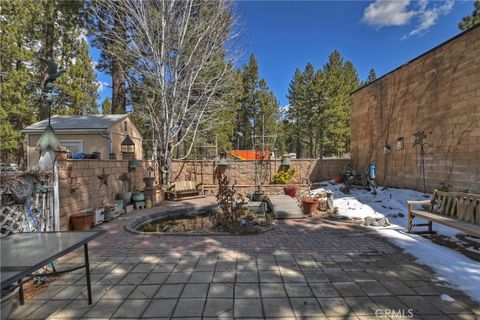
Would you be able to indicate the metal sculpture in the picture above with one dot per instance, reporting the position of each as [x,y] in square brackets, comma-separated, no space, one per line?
[420,137]
[103,178]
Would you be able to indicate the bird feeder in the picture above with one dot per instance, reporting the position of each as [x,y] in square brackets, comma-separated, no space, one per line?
[133,164]
[400,143]
[222,162]
[286,161]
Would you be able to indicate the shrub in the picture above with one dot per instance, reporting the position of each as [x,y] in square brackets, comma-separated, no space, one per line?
[230,203]
[284,176]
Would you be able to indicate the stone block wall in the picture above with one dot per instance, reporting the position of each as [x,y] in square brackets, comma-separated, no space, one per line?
[243,172]
[81,189]
[439,93]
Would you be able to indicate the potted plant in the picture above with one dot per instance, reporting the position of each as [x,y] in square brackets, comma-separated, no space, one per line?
[284,177]
[338,178]
[82,220]
[108,211]
[125,178]
[309,204]
[138,196]
[150,180]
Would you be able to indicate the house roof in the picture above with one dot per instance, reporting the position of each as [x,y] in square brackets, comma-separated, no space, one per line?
[77,123]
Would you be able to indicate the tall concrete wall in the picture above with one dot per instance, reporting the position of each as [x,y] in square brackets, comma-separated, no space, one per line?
[439,93]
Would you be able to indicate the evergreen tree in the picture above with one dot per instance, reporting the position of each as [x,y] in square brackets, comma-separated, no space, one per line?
[18,31]
[77,87]
[266,115]
[371,76]
[296,92]
[248,102]
[61,27]
[471,20]
[318,117]
[110,56]
[106,106]
[50,29]
[340,79]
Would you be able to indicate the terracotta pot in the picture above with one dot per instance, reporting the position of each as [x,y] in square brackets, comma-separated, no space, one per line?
[290,191]
[82,221]
[309,206]
[338,178]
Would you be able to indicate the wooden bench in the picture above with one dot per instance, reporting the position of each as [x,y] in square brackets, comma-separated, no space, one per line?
[182,190]
[457,210]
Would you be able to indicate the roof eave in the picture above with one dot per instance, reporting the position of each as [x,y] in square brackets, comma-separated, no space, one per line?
[98,130]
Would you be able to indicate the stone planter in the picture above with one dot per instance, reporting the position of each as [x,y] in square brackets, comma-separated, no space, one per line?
[138,197]
[149,181]
[82,221]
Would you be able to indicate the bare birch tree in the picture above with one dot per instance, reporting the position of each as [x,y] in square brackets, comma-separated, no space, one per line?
[175,53]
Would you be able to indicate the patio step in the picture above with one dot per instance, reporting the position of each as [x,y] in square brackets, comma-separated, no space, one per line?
[284,207]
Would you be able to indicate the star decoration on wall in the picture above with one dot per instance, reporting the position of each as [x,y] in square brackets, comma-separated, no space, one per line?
[103,178]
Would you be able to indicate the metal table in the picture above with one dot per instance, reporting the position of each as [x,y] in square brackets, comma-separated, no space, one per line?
[24,253]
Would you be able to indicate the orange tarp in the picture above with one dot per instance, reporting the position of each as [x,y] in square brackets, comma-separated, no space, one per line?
[250,154]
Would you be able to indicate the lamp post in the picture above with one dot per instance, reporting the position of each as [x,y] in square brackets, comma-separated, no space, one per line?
[127,148]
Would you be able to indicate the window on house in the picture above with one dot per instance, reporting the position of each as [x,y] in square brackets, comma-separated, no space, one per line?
[73,146]
[125,126]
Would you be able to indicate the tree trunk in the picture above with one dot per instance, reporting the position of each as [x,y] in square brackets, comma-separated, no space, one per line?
[44,111]
[119,91]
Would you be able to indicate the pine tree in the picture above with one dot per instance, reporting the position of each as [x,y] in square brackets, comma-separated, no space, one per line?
[110,61]
[77,87]
[18,31]
[266,115]
[61,26]
[296,94]
[339,80]
[371,76]
[248,102]
[318,117]
[106,106]
[471,20]
[50,29]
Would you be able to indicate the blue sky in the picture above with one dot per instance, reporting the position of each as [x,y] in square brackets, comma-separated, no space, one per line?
[382,35]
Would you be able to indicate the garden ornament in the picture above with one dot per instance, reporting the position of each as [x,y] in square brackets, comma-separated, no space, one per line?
[420,136]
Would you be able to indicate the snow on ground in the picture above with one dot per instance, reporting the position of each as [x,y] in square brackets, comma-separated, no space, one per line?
[391,203]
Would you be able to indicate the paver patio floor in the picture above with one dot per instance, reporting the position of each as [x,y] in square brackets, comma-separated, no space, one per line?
[301,269]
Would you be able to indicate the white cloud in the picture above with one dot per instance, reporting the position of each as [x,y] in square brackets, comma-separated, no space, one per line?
[383,13]
[82,35]
[102,85]
[429,17]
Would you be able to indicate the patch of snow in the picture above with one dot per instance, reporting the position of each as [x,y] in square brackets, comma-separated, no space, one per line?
[457,269]
[446,297]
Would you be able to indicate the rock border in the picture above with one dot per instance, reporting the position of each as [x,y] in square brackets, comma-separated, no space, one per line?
[175,212]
